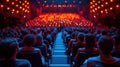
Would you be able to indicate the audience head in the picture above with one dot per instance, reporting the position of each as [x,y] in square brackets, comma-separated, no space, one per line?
[46,42]
[117,40]
[24,32]
[90,40]
[5,34]
[80,37]
[104,32]
[98,32]
[105,44]
[117,37]
[39,39]
[8,48]
[29,40]
[73,35]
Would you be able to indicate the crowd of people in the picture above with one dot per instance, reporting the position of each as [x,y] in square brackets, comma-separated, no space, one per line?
[85,47]
[31,43]
[88,47]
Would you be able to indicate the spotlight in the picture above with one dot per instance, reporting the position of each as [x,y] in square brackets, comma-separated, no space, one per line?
[7,0]
[1,6]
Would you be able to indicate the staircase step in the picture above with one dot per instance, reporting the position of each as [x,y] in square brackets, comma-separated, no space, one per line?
[59,48]
[59,51]
[59,65]
[59,59]
[59,56]
[59,45]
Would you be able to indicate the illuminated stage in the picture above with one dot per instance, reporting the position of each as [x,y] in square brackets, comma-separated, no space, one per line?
[59,19]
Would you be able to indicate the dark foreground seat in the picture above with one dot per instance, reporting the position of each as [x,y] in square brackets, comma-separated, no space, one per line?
[101,64]
[33,57]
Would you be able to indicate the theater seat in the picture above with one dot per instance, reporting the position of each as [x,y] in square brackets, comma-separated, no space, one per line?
[33,57]
[100,64]
[80,58]
[116,54]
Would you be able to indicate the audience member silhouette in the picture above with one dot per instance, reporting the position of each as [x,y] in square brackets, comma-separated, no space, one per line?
[8,51]
[29,49]
[105,46]
[40,44]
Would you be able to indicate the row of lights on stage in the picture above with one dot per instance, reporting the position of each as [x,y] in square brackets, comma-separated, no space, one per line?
[102,6]
[17,6]
[64,19]
[70,5]
[88,24]
[65,1]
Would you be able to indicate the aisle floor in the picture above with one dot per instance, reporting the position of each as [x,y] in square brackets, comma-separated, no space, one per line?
[59,58]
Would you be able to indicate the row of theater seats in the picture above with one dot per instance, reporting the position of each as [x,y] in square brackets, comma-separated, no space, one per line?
[26,47]
[88,47]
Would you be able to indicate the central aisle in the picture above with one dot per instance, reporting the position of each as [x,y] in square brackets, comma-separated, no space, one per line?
[59,59]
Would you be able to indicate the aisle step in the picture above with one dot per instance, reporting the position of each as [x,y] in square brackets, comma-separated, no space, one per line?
[59,43]
[59,65]
[59,48]
[59,56]
[59,59]
[59,51]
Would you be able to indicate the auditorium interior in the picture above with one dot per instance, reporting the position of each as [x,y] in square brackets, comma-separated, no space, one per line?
[59,33]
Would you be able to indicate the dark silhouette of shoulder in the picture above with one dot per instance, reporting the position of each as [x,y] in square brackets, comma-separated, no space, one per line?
[15,63]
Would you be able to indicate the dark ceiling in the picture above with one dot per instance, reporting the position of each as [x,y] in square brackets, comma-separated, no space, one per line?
[64,1]
[80,3]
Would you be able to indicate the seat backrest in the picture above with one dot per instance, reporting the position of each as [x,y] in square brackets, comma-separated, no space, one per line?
[33,57]
[8,63]
[80,58]
[92,54]
[116,54]
[42,49]
[100,64]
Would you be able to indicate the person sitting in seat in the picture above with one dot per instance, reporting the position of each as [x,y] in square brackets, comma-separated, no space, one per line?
[78,44]
[28,43]
[105,46]
[90,45]
[8,51]
[40,44]
[89,50]
[72,39]
[116,50]
[28,49]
